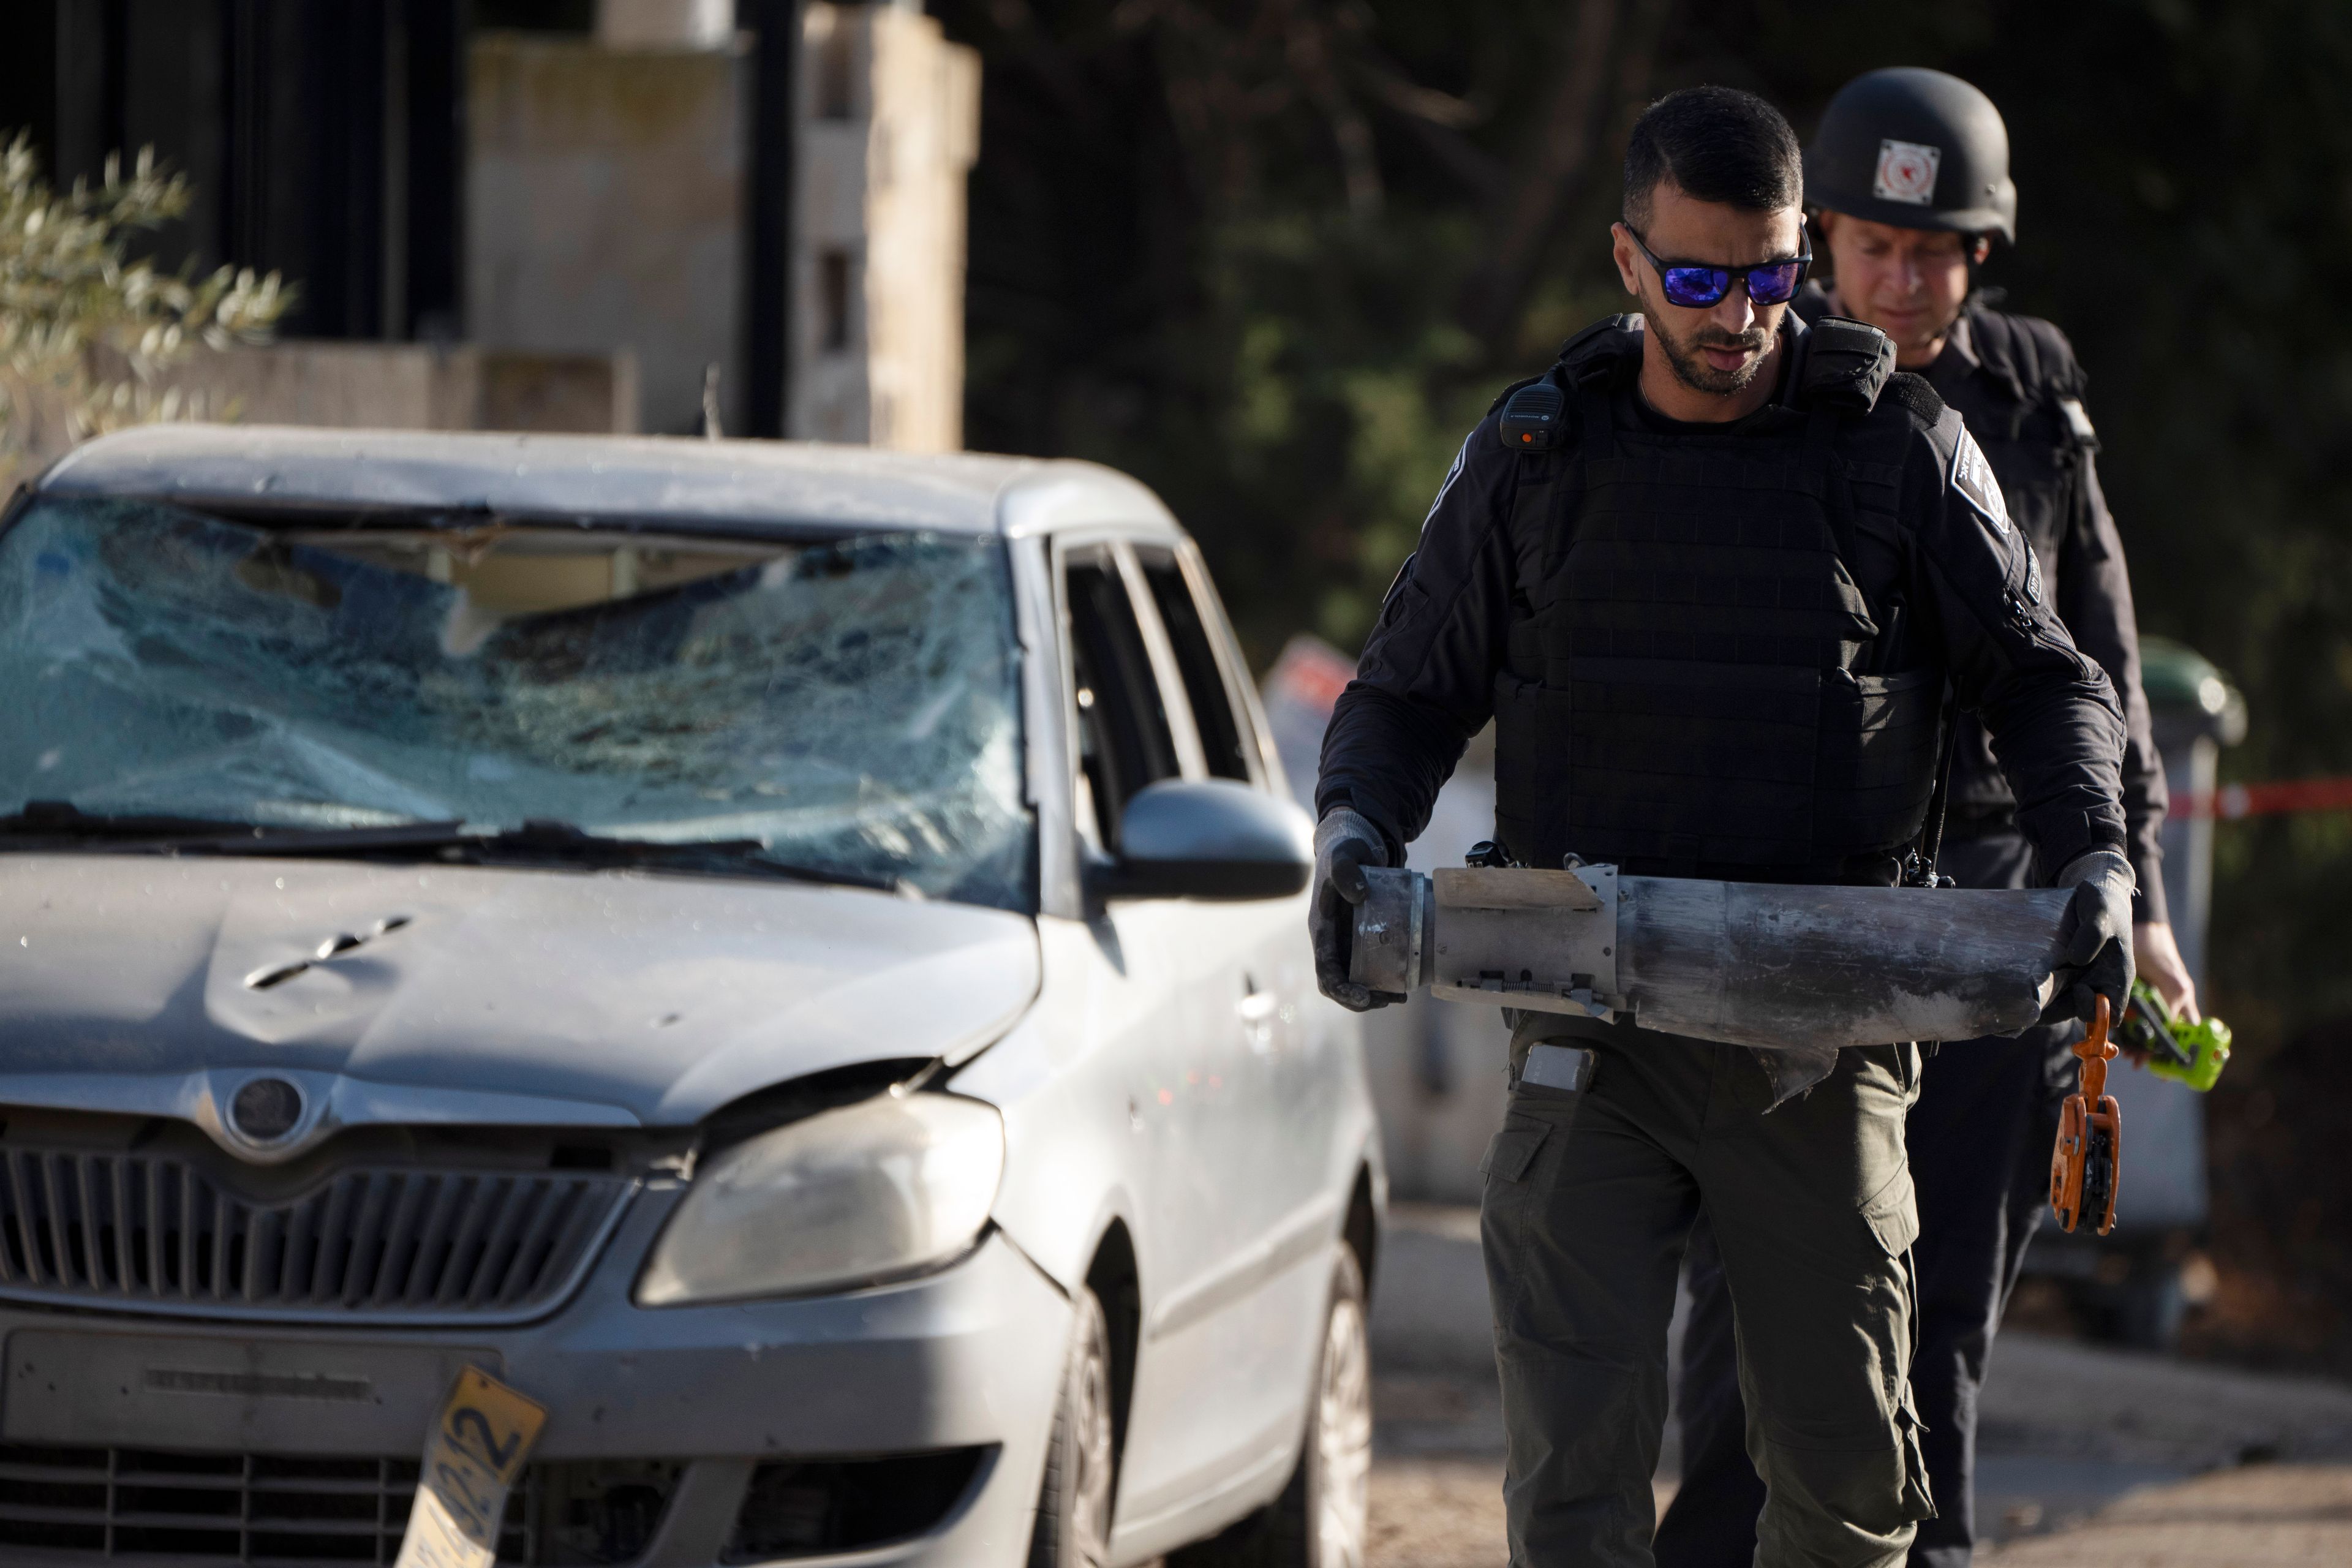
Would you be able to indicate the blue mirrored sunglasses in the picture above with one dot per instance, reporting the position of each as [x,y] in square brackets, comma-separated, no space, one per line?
[1696,285]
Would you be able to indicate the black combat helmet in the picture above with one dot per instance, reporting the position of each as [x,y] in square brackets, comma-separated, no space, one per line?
[1916,149]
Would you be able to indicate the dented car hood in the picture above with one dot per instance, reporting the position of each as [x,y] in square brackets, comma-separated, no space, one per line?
[142,984]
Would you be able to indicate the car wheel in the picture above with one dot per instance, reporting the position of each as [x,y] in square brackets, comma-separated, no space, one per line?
[1073,1506]
[1318,1521]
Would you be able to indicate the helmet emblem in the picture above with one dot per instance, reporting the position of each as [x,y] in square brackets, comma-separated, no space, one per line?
[265,1111]
[1907,172]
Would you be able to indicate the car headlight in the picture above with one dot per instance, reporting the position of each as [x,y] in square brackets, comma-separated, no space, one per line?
[885,1187]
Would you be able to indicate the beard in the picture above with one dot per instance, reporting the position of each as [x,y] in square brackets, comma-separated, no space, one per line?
[1683,355]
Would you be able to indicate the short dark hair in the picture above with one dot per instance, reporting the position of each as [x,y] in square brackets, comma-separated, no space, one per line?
[1719,144]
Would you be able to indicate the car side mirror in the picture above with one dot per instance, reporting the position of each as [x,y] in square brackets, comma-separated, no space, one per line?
[1209,838]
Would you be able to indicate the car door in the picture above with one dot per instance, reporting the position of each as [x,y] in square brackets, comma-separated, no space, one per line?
[1291,1129]
[1145,973]
[1243,1193]
[1144,979]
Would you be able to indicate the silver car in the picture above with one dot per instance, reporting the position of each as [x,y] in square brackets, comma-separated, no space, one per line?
[792,958]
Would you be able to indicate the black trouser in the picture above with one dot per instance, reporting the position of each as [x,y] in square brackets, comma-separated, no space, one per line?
[1979,1143]
[1588,1199]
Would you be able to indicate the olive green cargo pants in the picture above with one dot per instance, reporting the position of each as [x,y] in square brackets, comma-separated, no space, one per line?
[1588,1198]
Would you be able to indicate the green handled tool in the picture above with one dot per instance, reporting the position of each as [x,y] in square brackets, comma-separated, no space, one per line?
[2193,1054]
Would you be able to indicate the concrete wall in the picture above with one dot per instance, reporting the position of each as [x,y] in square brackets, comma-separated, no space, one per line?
[605,210]
[583,393]
[415,386]
[404,386]
[348,385]
[889,123]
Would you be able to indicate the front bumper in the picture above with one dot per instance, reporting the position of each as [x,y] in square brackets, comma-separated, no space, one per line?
[966,1359]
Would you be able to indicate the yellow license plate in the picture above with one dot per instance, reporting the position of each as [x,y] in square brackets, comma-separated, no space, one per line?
[471,1461]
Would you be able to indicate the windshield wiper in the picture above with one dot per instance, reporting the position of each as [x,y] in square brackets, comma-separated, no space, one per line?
[47,823]
[43,823]
[63,819]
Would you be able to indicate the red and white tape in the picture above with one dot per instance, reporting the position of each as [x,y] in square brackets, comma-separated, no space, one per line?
[2277,797]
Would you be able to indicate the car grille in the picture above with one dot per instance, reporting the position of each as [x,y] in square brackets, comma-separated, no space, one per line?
[132,1504]
[154,1232]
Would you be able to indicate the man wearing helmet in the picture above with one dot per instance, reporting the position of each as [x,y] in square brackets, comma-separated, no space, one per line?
[1909,178]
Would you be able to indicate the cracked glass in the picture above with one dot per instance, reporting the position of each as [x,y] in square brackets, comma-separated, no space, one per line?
[851,704]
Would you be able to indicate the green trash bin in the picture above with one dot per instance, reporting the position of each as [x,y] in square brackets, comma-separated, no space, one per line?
[2129,1285]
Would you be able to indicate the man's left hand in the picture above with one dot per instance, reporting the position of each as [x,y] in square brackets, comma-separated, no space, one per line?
[2158,958]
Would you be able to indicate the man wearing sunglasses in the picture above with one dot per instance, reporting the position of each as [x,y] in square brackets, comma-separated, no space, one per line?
[1709,576]
[1909,172]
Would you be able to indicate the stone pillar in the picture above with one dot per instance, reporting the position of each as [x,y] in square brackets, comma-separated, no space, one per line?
[888,119]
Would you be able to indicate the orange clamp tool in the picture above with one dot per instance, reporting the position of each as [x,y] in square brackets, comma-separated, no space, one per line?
[2087,1163]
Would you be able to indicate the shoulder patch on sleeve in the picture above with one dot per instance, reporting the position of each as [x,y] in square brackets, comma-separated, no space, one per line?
[2078,423]
[1972,476]
[1461,460]
[1403,574]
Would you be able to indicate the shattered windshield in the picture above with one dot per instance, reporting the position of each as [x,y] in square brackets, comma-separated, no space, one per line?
[851,705]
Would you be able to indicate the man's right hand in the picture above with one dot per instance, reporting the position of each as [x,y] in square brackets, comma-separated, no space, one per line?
[1344,842]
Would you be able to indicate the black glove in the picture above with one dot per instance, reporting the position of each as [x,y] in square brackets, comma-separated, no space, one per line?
[2095,937]
[1344,842]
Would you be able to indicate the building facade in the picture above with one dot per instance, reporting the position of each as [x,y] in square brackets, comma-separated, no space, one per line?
[672,215]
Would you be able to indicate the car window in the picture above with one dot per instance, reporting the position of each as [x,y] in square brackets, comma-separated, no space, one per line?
[1204,683]
[1123,736]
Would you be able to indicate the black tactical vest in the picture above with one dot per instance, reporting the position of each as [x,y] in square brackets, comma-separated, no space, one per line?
[1690,681]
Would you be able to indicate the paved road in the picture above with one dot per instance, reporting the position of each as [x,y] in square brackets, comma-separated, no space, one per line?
[2092,1457]
[2283,1515]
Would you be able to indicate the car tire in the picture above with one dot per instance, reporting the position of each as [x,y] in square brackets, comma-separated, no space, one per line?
[1318,1521]
[1081,1456]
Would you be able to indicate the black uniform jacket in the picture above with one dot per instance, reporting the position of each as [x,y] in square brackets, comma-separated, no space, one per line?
[2016,381]
[1424,685]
